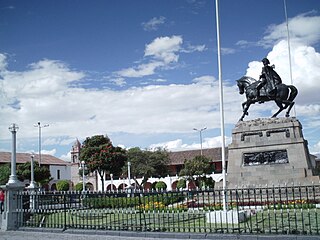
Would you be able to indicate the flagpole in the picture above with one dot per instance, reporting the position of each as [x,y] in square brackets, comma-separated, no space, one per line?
[221,110]
[289,49]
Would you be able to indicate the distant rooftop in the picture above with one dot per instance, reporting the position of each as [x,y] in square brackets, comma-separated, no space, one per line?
[214,154]
[5,157]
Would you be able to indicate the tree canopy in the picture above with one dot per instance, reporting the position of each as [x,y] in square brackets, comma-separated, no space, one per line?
[4,173]
[41,174]
[197,166]
[145,163]
[100,155]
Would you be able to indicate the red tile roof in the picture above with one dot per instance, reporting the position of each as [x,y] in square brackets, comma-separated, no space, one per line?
[5,157]
[214,154]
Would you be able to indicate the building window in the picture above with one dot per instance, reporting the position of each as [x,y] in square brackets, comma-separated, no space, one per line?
[58,174]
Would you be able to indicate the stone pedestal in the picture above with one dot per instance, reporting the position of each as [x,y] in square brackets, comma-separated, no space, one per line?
[269,151]
[11,216]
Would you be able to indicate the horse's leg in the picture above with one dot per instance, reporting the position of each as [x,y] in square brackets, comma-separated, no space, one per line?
[289,109]
[245,110]
[279,104]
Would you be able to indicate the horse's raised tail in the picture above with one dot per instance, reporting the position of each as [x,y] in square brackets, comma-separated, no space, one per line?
[293,93]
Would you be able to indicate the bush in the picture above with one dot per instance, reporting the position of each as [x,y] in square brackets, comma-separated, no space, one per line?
[78,186]
[157,201]
[161,185]
[63,185]
[181,184]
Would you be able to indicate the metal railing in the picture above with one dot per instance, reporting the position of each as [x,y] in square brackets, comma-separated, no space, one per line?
[261,210]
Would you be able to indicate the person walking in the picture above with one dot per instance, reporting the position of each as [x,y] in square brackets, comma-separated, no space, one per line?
[1,201]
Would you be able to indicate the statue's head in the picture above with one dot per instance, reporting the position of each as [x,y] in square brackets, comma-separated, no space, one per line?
[265,61]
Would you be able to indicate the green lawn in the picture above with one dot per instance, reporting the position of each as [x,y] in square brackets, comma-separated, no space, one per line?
[293,221]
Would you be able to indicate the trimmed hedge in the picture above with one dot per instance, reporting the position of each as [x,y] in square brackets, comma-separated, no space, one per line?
[132,201]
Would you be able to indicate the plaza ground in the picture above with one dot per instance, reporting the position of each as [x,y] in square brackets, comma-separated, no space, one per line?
[114,235]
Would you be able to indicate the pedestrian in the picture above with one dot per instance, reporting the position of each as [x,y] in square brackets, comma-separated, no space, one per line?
[1,201]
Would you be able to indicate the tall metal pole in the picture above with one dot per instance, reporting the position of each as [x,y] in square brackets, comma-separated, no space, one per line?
[83,165]
[38,125]
[200,133]
[32,182]
[289,49]
[129,174]
[111,176]
[13,177]
[221,109]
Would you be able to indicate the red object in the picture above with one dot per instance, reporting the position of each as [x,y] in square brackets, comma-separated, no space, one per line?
[1,196]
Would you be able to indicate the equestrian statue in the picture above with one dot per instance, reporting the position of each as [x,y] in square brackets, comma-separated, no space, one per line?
[269,87]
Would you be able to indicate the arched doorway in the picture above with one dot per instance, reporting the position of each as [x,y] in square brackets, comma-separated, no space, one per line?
[174,185]
[111,187]
[122,186]
[89,186]
[53,187]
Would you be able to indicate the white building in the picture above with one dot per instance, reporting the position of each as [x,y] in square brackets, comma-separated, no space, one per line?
[59,169]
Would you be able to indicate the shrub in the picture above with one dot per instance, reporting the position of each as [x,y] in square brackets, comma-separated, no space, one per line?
[181,184]
[150,201]
[78,186]
[63,185]
[161,185]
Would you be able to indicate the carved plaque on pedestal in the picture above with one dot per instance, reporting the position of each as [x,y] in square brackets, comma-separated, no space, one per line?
[268,151]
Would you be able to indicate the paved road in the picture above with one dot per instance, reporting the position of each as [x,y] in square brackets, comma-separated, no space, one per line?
[92,235]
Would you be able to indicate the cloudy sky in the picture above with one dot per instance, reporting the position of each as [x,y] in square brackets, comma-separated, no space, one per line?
[145,72]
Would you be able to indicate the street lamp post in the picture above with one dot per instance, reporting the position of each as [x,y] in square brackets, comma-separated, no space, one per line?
[200,132]
[83,168]
[111,177]
[129,174]
[13,177]
[32,182]
[38,125]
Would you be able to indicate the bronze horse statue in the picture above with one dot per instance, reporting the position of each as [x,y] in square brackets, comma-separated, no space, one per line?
[283,96]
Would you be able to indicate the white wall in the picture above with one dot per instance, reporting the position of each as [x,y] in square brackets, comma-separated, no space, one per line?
[65,172]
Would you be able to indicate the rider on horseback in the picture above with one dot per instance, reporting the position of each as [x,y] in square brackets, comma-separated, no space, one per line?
[269,78]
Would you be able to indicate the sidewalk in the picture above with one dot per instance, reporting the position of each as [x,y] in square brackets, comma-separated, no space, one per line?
[115,235]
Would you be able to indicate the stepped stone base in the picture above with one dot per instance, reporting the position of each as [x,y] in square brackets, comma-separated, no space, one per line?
[269,151]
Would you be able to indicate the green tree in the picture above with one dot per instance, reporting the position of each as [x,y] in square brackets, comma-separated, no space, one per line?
[197,166]
[181,184]
[63,185]
[147,164]
[100,155]
[5,172]
[41,174]
[79,186]
[161,185]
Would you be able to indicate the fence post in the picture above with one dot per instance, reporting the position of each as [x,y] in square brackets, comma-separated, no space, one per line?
[11,215]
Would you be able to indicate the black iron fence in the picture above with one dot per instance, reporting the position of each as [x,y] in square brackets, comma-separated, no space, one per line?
[269,210]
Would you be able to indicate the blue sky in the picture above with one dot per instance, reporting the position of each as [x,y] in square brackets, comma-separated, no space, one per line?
[145,72]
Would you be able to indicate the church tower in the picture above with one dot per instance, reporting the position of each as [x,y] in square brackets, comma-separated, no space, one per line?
[75,152]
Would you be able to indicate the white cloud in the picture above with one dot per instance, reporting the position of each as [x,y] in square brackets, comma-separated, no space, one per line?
[163,51]
[66,157]
[178,145]
[153,24]
[3,62]
[141,70]
[302,28]
[227,51]
[192,48]
[204,79]
[57,141]
[119,81]
[70,111]
[164,48]
[49,152]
